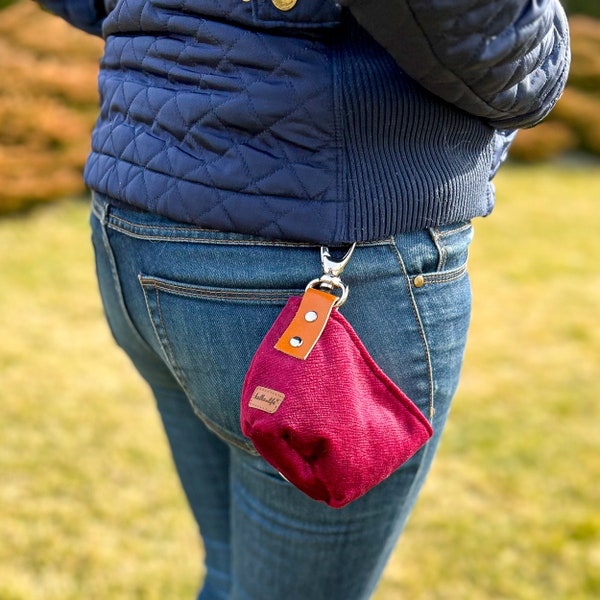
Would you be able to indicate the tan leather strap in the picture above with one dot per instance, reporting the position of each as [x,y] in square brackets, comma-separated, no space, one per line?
[307,325]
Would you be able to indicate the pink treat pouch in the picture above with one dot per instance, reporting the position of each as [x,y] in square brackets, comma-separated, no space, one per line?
[319,409]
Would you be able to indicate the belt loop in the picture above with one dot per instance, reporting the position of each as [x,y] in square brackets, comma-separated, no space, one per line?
[100,207]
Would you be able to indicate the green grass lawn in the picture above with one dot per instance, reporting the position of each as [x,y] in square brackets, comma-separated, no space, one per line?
[90,507]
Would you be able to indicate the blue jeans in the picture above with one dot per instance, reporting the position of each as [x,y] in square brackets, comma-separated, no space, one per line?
[190,307]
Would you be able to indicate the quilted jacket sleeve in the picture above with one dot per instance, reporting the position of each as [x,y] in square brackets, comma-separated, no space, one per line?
[83,14]
[506,62]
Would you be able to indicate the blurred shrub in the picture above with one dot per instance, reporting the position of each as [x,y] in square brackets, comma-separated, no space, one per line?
[583,7]
[48,104]
[574,124]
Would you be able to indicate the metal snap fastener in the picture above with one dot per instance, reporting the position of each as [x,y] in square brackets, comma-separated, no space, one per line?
[311,316]
[296,342]
[419,281]
[284,4]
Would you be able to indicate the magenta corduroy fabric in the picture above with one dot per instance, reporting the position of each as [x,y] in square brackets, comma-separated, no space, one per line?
[334,425]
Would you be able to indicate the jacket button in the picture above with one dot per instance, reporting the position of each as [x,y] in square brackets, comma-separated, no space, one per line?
[284,4]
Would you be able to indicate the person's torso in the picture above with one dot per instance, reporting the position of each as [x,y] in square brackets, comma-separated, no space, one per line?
[280,119]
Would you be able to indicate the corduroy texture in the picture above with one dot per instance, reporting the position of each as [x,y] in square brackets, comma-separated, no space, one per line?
[342,426]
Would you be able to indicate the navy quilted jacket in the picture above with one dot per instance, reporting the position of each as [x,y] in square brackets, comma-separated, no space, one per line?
[286,119]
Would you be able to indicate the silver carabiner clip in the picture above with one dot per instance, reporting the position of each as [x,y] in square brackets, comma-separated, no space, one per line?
[332,267]
[331,274]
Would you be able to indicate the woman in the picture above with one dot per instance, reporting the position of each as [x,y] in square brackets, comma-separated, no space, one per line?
[234,138]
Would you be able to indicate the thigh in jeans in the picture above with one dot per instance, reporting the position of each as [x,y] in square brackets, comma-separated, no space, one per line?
[201,302]
[202,459]
[410,304]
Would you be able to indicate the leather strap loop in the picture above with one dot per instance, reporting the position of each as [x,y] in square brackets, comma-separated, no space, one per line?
[308,324]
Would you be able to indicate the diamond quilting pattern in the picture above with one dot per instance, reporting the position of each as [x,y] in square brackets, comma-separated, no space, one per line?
[248,118]
[275,120]
[220,109]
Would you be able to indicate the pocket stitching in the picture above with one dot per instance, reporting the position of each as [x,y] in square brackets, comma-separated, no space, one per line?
[162,339]
[190,234]
[198,291]
[114,273]
[417,316]
[149,285]
[442,277]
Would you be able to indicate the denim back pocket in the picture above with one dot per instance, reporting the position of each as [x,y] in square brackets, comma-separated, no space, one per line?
[208,336]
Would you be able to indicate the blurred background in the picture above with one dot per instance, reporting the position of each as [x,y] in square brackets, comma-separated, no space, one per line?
[89,503]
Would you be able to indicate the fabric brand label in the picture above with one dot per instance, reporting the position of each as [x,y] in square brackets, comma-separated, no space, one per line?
[265,399]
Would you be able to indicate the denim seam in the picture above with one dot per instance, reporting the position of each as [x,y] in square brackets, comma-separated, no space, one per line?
[438,235]
[453,230]
[417,316]
[103,215]
[97,211]
[164,343]
[275,296]
[447,277]
[434,232]
[178,374]
[137,230]
[223,433]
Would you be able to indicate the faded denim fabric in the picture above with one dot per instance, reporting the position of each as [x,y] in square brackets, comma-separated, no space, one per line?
[190,306]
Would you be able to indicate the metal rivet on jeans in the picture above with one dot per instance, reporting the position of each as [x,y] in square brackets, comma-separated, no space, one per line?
[419,281]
